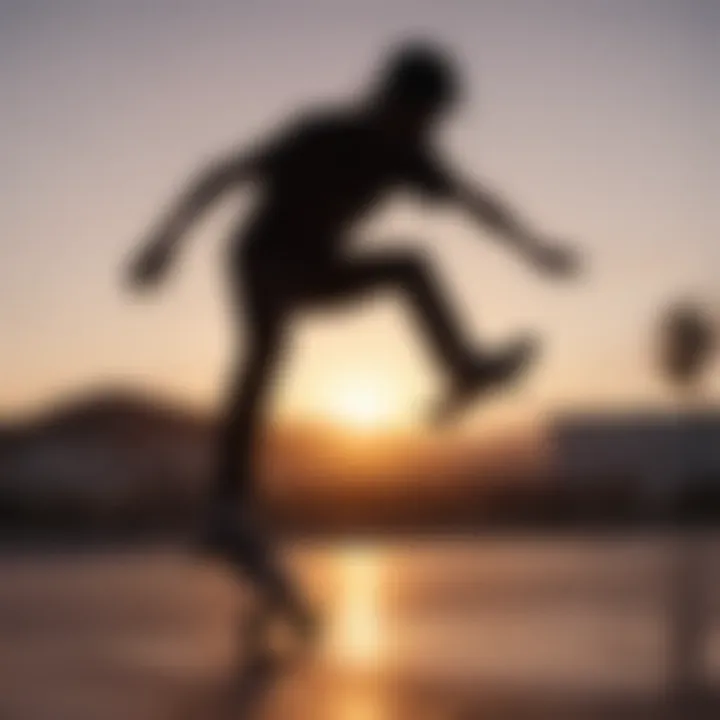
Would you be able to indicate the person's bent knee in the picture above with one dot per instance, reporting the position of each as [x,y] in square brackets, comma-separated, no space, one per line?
[405,268]
[412,272]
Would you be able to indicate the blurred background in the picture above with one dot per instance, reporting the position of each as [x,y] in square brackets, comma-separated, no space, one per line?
[551,556]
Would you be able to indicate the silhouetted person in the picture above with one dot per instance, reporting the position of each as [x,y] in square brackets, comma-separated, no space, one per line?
[317,178]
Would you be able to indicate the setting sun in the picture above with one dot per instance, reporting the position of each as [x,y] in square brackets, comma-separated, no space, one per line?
[363,406]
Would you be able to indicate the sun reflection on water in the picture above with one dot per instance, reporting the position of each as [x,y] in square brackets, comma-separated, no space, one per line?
[357,630]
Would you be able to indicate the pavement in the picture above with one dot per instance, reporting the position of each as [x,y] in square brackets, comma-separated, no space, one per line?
[439,631]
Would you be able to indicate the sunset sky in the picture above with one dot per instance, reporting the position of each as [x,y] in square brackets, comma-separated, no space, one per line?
[600,119]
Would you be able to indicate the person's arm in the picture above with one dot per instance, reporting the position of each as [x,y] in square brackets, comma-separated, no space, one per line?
[505,223]
[426,172]
[156,253]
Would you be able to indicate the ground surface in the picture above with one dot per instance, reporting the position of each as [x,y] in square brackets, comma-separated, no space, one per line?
[490,629]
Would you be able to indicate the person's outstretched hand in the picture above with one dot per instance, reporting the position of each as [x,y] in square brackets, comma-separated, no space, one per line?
[150,266]
[556,260]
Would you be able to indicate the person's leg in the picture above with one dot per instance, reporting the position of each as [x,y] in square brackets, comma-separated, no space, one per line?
[245,401]
[471,372]
[412,276]
[236,527]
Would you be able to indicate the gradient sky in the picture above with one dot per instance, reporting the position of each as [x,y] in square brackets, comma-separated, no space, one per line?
[599,118]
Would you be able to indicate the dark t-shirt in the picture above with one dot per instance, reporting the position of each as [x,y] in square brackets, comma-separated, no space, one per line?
[325,172]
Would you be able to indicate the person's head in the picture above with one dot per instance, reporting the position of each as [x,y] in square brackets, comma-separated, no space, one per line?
[418,85]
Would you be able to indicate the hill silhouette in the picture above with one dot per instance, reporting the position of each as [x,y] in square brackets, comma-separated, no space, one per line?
[119,456]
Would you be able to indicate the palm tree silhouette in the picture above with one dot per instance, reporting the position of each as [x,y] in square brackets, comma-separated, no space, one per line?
[686,350]
[687,344]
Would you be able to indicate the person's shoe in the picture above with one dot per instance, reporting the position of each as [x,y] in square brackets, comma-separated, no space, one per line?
[236,538]
[487,374]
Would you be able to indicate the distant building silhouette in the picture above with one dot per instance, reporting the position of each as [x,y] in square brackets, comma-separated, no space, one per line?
[658,454]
